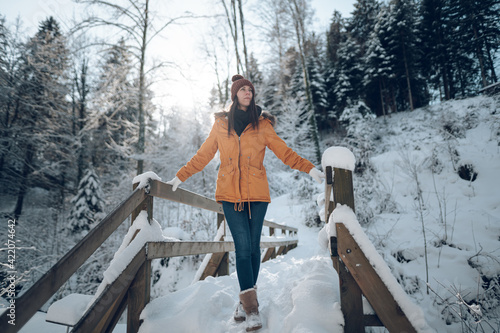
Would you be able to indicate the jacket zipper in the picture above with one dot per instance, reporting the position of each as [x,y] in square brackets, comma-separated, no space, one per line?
[239,168]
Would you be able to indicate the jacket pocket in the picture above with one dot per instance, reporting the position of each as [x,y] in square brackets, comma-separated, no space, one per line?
[257,173]
[225,181]
[258,188]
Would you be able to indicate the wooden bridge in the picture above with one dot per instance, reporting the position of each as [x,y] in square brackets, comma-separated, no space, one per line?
[131,290]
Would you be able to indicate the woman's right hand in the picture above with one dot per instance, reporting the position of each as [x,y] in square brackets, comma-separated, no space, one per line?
[175,183]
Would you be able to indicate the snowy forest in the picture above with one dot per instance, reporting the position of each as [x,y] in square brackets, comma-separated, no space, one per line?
[81,115]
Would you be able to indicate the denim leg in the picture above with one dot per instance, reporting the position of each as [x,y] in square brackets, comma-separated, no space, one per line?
[246,234]
[258,210]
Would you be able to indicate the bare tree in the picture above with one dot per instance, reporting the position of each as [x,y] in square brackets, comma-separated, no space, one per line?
[232,20]
[135,22]
[217,50]
[300,13]
[277,29]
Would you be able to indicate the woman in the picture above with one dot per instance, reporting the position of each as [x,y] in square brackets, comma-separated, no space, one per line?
[241,135]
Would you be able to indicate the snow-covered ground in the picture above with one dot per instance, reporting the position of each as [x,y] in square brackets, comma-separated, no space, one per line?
[417,189]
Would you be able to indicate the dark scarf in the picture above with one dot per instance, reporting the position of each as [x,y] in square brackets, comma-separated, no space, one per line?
[242,119]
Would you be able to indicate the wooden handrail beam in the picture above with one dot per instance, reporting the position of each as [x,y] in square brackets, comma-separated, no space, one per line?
[94,319]
[157,250]
[279,226]
[370,283]
[163,190]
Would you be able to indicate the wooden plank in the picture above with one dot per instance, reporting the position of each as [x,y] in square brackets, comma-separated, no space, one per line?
[58,274]
[140,290]
[372,320]
[107,304]
[157,250]
[113,314]
[111,322]
[164,191]
[343,192]
[328,192]
[213,265]
[370,283]
[224,265]
[351,301]
[267,244]
[270,253]
[279,226]
[139,295]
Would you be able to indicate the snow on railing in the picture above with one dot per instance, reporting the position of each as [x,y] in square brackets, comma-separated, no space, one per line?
[343,217]
[344,214]
[144,232]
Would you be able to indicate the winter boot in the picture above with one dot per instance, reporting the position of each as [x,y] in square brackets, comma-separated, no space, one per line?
[248,299]
[239,313]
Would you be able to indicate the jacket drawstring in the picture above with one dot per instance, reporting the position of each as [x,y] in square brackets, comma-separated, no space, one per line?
[239,207]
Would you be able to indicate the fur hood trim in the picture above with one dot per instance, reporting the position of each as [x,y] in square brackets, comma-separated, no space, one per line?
[263,115]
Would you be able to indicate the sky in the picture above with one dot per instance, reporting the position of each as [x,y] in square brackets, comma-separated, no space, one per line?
[181,45]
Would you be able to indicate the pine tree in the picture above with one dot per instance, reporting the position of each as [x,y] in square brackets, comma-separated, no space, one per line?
[362,21]
[316,71]
[435,42]
[464,69]
[87,205]
[6,96]
[44,113]
[479,30]
[402,45]
[349,74]
[336,35]
[377,74]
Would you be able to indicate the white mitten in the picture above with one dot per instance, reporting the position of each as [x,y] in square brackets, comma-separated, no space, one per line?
[316,174]
[176,182]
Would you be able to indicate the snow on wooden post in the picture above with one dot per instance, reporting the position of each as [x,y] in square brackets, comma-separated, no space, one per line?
[144,181]
[338,164]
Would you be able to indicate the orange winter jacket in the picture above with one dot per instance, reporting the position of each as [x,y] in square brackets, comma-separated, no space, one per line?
[242,176]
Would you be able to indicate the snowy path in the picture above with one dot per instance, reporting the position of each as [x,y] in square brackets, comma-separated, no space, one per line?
[297,292]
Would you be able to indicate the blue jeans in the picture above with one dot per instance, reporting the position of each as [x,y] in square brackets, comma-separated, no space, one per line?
[246,233]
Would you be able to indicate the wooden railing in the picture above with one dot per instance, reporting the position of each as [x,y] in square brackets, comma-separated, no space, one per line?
[131,289]
[357,277]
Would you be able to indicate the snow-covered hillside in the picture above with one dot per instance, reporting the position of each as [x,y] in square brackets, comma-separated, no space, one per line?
[428,224]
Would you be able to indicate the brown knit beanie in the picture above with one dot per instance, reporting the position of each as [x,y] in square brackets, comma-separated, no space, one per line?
[238,82]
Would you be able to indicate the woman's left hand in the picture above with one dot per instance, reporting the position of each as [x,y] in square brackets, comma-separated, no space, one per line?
[316,175]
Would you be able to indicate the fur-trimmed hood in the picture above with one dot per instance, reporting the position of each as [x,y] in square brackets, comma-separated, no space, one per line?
[263,115]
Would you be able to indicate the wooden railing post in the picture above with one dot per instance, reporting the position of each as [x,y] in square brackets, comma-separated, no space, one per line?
[139,292]
[339,181]
[224,263]
[271,252]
